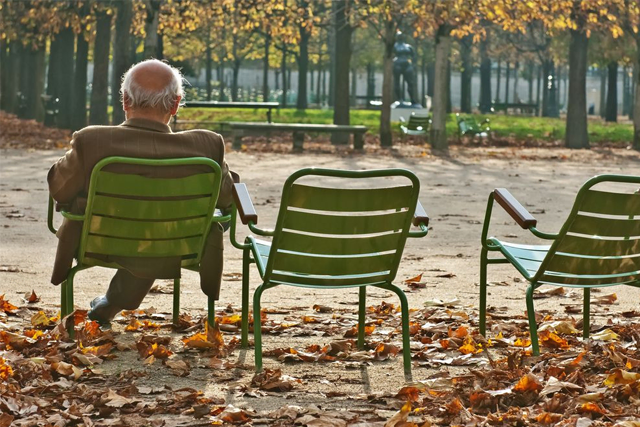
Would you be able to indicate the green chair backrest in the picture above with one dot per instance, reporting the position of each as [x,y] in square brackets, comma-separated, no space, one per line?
[418,122]
[135,210]
[338,236]
[599,245]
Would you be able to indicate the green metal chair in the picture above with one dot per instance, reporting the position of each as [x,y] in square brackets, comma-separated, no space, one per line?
[332,237]
[415,126]
[131,215]
[597,246]
[468,126]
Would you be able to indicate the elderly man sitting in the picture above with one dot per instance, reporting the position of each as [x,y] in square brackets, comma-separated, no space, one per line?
[151,93]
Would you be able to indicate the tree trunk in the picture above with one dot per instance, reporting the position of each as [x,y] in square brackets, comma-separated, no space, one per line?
[99,97]
[438,127]
[612,93]
[265,68]
[626,91]
[324,86]
[423,73]
[151,28]
[603,91]
[516,78]
[121,56]
[303,68]
[576,135]
[506,83]
[283,72]
[636,102]
[79,104]
[538,89]
[354,86]
[32,83]
[221,82]
[431,72]
[332,43]
[12,78]
[342,66]
[530,71]
[485,78]
[160,48]
[386,136]
[448,81]
[61,77]
[319,83]
[208,66]
[4,62]
[234,80]
[466,74]
[634,78]
[552,106]
[499,71]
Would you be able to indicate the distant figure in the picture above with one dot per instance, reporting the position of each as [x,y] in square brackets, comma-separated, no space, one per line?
[151,93]
[592,109]
[403,66]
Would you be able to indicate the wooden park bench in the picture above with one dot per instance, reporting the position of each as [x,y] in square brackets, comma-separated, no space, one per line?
[269,106]
[521,107]
[241,129]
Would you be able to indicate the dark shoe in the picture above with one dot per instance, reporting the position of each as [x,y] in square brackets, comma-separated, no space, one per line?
[102,311]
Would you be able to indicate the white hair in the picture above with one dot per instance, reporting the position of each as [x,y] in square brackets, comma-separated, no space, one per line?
[141,97]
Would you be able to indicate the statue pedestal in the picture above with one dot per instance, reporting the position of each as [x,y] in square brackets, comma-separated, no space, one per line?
[405,109]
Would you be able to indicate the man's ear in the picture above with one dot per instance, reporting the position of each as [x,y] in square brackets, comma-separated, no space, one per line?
[126,101]
[176,105]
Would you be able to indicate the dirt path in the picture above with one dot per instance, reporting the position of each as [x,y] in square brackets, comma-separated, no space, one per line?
[454,193]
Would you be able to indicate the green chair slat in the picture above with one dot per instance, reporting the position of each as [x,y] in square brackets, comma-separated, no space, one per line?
[530,266]
[338,245]
[609,227]
[534,248]
[115,227]
[592,266]
[340,224]
[134,185]
[329,281]
[143,248]
[592,280]
[580,245]
[349,200]
[526,254]
[158,209]
[604,202]
[303,264]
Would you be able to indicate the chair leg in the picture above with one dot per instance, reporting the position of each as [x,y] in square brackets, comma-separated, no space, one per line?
[586,308]
[67,296]
[211,312]
[362,299]
[406,344]
[176,300]
[64,306]
[533,327]
[257,327]
[244,340]
[483,292]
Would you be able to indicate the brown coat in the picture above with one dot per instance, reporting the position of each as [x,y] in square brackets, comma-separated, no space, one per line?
[69,184]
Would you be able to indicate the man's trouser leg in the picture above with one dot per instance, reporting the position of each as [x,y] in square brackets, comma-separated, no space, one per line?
[211,263]
[127,291]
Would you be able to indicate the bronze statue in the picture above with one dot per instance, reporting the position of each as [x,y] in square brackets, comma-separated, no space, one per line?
[403,61]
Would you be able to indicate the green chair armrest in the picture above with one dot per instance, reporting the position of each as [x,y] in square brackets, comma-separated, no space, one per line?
[244,204]
[420,215]
[514,208]
[50,215]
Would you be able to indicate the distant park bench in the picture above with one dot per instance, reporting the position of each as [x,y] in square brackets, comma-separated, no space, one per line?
[521,107]
[269,106]
[241,129]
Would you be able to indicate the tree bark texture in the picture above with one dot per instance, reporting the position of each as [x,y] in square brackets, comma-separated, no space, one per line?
[506,83]
[576,135]
[611,114]
[485,78]
[4,62]
[121,56]
[386,136]
[79,92]
[371,82]
[499,71]
[99,96]
[431,72]
[152,18]
[12,78]
[342,66]
[65,78]
[265,68]
[32,83]
[636,102]
[438,127]
[303,67]
[466,74]
[516,78]
[626,91]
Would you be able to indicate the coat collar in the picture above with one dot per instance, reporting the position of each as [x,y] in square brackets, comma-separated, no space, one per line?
[147,125]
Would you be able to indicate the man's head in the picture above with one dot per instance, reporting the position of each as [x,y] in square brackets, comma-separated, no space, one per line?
[151,89]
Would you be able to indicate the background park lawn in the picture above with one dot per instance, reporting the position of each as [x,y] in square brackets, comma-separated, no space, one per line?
[519,127]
